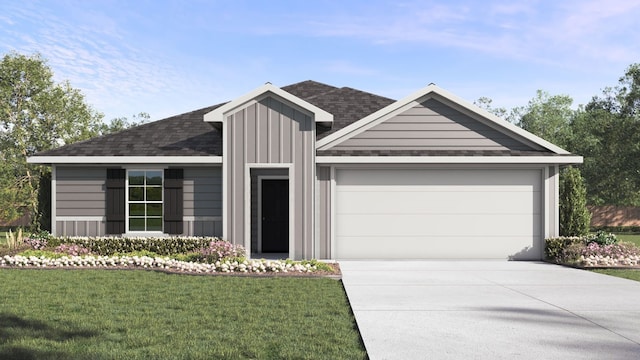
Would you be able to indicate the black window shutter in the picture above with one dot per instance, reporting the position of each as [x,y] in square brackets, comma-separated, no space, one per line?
[173,201]
[115,201]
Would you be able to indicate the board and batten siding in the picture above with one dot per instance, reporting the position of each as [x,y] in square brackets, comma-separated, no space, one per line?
[80,201]
[202,187]
[324,212]
[269,132]
[431,125]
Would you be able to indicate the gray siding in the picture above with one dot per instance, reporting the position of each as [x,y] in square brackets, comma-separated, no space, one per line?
[80,228]
[432,125]
[80,193]
[270,132]
[202,201]
[324,215]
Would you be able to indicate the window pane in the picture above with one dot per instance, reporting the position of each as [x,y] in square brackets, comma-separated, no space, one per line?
[154,224]
[136,224]
[136,194]
[136,209]
[154,178]
[154,194]
[154,210]
[136,177]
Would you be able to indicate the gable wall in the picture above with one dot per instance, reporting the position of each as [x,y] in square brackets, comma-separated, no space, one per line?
[268,133]
[431,125]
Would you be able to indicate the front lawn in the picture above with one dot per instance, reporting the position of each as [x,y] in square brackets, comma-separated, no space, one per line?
[123,314]
[632,274]
[633,238]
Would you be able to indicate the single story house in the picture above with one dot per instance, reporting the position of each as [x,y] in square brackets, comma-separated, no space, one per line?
[316,171]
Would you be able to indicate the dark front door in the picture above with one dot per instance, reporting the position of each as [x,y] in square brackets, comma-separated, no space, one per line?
[275,215]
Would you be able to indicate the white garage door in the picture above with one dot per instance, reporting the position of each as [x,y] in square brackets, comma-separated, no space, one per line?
[438,214]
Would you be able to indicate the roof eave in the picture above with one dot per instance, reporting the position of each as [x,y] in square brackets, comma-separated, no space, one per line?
[218,114]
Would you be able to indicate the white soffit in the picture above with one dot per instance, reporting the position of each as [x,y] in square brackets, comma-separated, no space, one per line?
[417,97]
[125,160]
[449,159]
[218,114]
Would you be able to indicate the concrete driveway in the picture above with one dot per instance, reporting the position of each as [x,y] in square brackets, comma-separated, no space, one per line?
[491,310]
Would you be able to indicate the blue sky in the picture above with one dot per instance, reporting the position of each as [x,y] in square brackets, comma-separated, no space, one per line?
[169,57]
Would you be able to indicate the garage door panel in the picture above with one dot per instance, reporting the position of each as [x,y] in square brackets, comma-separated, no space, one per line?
[444,213]
[453,177]
[434,202]
[438,225]
[431,248]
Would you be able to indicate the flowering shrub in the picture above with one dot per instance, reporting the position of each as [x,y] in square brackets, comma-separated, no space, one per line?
[555,247]
[71,249]
[36,243]
[220,249]
[619,254]
[165,263]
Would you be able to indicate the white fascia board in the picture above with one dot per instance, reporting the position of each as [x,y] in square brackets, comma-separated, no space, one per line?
[217,115]
[348,131]
[125,160]
[449,159]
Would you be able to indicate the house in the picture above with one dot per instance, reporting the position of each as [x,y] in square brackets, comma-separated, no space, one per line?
[316,171]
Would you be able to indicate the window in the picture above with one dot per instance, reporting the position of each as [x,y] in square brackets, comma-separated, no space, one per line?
[145,200]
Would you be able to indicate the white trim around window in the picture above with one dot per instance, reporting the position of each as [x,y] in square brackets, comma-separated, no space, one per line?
[146,203]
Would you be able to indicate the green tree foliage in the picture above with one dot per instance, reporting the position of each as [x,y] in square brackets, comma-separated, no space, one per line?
[607,134]
[574,215]
[37,114]
[548,117]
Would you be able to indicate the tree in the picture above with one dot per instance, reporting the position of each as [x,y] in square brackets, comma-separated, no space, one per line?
[36,114]
[574,215]
[548,117]
[607,134]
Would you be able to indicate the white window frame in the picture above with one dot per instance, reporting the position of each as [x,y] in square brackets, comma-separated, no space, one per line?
[126,209]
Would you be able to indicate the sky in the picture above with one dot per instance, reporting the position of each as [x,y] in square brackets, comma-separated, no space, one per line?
[169,57]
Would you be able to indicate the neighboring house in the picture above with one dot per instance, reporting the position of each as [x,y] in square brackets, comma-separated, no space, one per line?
[316,171]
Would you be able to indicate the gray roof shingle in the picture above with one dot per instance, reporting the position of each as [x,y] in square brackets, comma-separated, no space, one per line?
[189,135]
[181,135]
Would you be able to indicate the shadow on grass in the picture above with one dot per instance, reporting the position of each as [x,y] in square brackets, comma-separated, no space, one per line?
[14,328]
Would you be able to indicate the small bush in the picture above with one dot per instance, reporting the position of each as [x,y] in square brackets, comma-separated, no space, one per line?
[72,249]
[220,249]
[161,246]
[602,238]
[554,247]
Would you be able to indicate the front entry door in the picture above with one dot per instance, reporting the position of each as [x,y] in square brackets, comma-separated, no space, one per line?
[275,215]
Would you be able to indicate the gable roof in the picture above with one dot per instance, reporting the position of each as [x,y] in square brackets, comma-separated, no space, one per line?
[433,91]
[352,110]
[266,90]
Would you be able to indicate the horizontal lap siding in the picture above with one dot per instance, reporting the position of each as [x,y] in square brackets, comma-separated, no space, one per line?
[431,125]
[80,191]
[202,191]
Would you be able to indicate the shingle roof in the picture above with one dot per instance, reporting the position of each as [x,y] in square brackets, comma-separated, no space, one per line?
[181,135]
[189,135]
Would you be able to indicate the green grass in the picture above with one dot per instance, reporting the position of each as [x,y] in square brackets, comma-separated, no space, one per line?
[634,238]
[3,238]
[632,274]
[119,314]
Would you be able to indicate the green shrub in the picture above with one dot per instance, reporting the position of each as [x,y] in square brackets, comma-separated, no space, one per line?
[602,238]
[161,246]
[554,247]
[574,215]
[42,253]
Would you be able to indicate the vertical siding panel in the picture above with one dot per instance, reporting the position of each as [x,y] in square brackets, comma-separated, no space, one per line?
[251,133]
[274,139]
